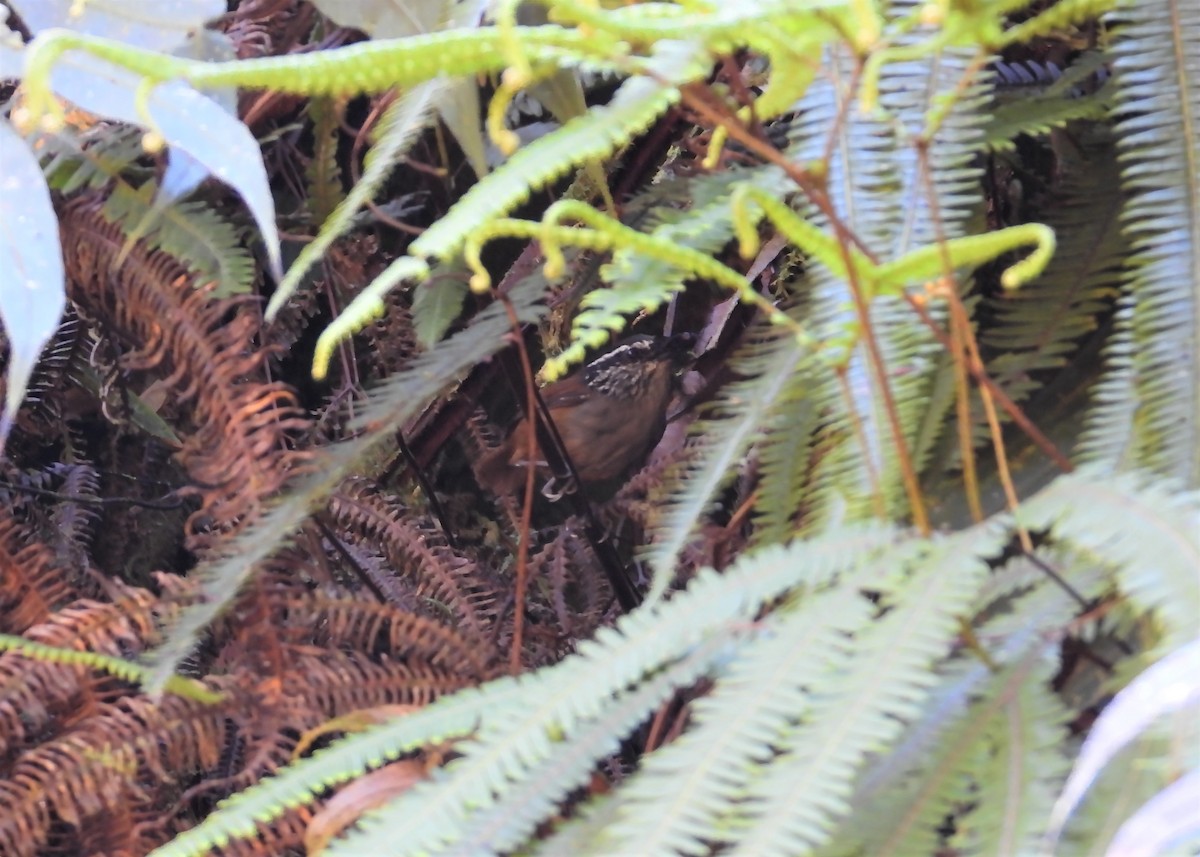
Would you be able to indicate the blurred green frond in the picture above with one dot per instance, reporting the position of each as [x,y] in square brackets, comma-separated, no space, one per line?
[877,181]
[1072,96]
[1147,531]
[770,364]
[1038,326]
[1147,413]
[71,166]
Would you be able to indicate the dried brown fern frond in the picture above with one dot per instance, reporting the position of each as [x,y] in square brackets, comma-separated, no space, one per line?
[418,554]
[238,453]
[368,626]
[573,582]
[41,698]
[48,398]
[126,626]
[335,683]
[32,582]
[316,685]
[115,761]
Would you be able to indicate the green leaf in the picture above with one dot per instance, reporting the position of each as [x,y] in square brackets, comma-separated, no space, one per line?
[435,306]
[1148,405]
[127,670]
[184,173]
[192,232]
[32,277]
[159,26]
[204,136]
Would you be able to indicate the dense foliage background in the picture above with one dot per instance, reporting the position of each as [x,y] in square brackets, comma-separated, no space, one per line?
[918,551]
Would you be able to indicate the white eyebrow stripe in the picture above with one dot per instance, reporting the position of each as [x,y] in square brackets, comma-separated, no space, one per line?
[628,348]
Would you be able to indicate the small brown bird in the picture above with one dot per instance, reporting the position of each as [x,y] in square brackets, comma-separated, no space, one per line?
[609,415]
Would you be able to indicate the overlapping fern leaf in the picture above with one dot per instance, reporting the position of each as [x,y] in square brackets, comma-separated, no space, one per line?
[1148,406]
[1038,326]
[792,734]
[515,724]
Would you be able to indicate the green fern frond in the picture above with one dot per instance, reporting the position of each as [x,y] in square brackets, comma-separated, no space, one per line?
[735,420]
[1144,530]
[1041,115]
[933,771]
[910,93]
[1059,17]
[915,807]
[72,164]
[193,232]
[1048,106]
[875,177]
[637,103]
[367,67]
[792,803]
[448,719]
[532,784]
[673,805]
[724,28]
[603,130]
[119,667]
[324,178]
[1148,409]
[912,90]
[1036,327]
[636,281]
[519,810]
[906,227]
[568,696]
[1023,765]
[577,834]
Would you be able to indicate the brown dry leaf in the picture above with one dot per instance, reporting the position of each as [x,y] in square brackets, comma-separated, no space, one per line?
[365,793]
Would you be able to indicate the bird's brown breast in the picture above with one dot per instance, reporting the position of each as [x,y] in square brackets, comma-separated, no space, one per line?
[605,436]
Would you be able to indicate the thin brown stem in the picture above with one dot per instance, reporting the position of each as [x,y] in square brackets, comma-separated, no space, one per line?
[965,346]
[908,472]
[846,238]
[962,398]
[981,377]
[658,726]
[692,97]
[514,661]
